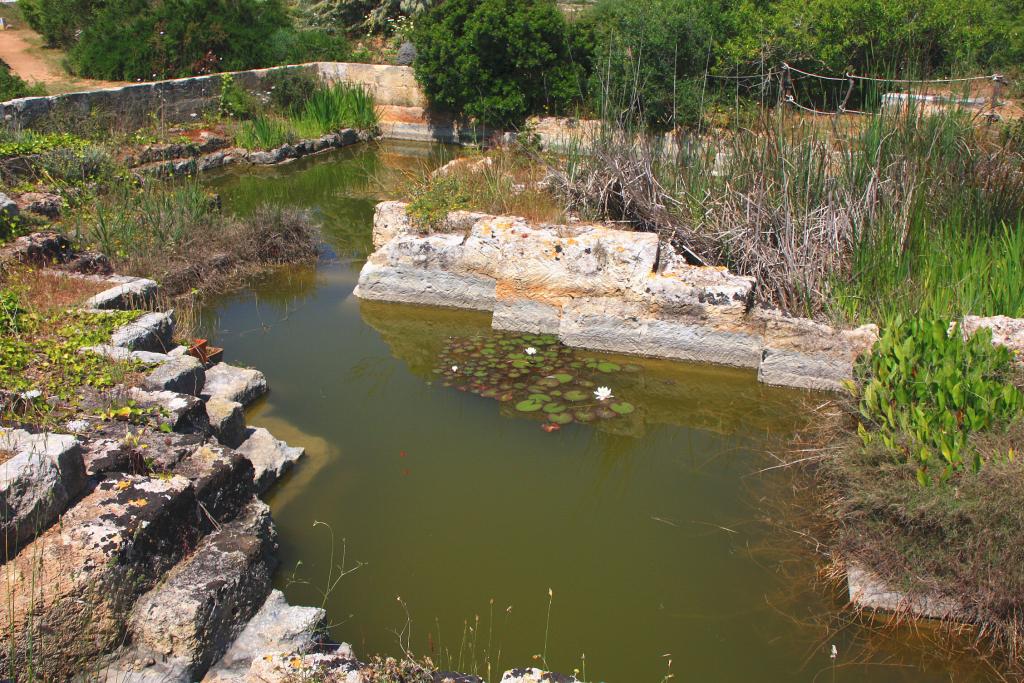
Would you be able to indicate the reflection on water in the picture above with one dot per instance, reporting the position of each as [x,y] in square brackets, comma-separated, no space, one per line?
[659,542]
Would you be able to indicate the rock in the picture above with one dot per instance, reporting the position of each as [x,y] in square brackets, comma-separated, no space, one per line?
[406,54]
[272,156]
[183,413]
[222,479]
[184,375]
[67,593]
[127,293]
[202,604]
[120,353]
[519,314]
[210,161]
[38,249]
[870,592]
[43,475]
[43,203]
[426,287]
[150,332]
[88,263]
[231,383]
[270,457]
[1006,331]
[8,207]
[277,628]
[337,667]
[535,676]
[227,421]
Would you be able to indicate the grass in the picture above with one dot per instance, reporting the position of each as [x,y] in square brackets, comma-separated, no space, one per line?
[328,109]
[178,235]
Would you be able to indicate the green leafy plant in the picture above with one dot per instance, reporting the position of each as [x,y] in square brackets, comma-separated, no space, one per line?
[235,102]
[13,86]
[926,389]
[264,132]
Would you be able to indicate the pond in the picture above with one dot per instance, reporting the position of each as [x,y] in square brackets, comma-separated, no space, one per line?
[641,536]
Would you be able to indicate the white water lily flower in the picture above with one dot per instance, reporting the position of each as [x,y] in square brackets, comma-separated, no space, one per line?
[602,393]
[530,351]
[455,368]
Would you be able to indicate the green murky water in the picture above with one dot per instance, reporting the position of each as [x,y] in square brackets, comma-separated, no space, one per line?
[662,540]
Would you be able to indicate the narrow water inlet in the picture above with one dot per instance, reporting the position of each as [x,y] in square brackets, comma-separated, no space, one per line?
[461,513]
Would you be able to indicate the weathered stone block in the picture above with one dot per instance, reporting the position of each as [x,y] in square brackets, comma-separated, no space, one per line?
[270,457]
[532,675]
[182,412]
[43,475]
[120,353]
[69,591]
[231,383]
[1006,331]
[150,332]
[222,479]
[277,628]
[227,421]
[184,375]
[338,667]
[804,354]
[870,592]
[204,602]
[128,293]
[520,314]
[408,284]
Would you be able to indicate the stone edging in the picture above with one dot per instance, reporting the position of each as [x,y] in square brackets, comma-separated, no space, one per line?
[597,288]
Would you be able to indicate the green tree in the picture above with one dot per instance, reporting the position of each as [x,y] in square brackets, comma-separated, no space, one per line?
[498,60]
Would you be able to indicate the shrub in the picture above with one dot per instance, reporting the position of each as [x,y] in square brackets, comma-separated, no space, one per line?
[496,60]
[235,102]
[290,46]
[290,88]
[926,389]
[650,57]
[12,86]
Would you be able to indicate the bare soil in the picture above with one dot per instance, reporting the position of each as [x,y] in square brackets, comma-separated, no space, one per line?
[22,49]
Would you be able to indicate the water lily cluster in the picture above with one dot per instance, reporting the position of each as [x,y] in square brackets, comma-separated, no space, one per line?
[535,375]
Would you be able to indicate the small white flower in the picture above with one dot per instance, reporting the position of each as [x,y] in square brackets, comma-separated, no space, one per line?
[455,368]
[193,114]
[602,393]
[31,394]
[530,351]
[835,652]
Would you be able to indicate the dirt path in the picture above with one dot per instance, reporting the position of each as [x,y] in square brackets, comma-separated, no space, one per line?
[20,48]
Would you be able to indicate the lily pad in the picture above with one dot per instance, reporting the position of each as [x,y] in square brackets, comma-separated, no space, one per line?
[560,418]
[529,406]
[584,416]
[543,398]
[562,377]
[575,395]
[623,407]
[608,366]
[554,408]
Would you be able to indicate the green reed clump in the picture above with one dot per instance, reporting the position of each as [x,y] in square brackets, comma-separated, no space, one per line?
[331,108]
[926,389]
[264,132]
[849,221]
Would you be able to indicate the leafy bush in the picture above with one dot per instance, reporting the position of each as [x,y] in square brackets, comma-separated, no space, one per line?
[235,102]
[31,142]
[12,86]
[497,60]
[926,389]
[290,88]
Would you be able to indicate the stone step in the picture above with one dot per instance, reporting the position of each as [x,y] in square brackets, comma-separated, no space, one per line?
[181,412]
[198,610]
[149,332]
[277,628]
[184,375]
[227,421]
[270,457]
[37,483]
[68,592]
[125,293]
[231,383]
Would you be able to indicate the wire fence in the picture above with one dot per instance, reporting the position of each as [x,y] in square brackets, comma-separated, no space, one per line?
[785,77]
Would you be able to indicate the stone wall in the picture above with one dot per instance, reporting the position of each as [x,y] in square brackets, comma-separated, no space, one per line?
[602,289]
[402,104]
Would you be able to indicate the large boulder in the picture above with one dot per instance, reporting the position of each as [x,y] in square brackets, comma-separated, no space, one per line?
[149,332]
[183,374]
[68,592]
[227,421]
[42,474]
[270,457]
[199,608]
[181,412]
[277,628]
[125,293]
[231,383]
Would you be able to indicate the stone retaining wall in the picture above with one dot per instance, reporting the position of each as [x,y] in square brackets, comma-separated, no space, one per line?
[402,103]
[602,289]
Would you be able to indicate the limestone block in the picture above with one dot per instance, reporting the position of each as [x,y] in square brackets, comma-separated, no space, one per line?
[182,412]
[337,667]
[805,354]
[127,293]
[227,421]
[532,675]
[607,324]
[43,475]
[868,591]
[8,207]
[70,589]
[412,285]
[278,628]
[202,604]
[231,383]
[1006,331]
[270,457]
[120,353]
[222,479]
[184,375]
[390,220]
[519,314]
